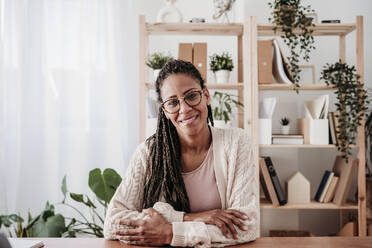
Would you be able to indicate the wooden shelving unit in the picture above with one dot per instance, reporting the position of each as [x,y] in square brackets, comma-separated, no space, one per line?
[247,34]
[312,205]
[340,31]
[211,29]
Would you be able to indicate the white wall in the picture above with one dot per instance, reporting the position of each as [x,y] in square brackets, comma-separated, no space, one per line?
[311,163]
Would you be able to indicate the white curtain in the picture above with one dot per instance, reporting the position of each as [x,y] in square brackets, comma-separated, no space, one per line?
[68,95]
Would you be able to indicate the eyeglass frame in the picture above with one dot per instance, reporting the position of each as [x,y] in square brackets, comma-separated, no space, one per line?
[183,98]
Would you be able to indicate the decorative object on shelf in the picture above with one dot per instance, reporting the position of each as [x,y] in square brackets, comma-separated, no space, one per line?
[298,189]
[284,122]
[197,20]
[266,111]
[290,15]
[221,65]
[223,9]
[331,21]
[156,62]
[345,170]
[169,13]
[351,106]
[223,109]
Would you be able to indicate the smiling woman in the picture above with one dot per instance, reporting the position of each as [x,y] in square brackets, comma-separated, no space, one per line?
[189,184]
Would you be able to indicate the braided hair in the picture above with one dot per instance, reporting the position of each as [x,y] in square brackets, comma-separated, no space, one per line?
[163,174]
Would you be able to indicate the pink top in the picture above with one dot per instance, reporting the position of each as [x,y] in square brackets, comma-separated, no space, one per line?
[201,186]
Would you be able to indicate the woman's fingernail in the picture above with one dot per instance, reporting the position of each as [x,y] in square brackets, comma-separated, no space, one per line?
[245,228]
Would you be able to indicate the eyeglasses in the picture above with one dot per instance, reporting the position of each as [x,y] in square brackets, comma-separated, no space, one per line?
[192,99]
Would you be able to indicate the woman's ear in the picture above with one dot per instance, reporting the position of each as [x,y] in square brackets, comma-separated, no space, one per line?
[207,96]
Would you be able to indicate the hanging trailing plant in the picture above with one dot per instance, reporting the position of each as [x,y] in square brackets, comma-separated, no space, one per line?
[297,28]
[351,105]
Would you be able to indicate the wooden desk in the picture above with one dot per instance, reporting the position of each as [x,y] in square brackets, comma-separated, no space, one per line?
[266,242]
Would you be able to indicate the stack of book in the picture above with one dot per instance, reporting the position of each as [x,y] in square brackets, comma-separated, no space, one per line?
[270,182]
[290,139]
[335,185]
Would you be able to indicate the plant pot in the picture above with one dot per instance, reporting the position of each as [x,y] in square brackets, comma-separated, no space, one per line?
[285,14]
[284,129]
[222,76]
[156,73]
[222,124]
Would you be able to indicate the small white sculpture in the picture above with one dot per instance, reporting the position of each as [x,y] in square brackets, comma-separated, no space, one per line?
[169,13]
[298,189]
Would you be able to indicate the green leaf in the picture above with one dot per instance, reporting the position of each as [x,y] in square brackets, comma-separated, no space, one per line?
[54,226]
[104,185]
[64,188]
[83,199]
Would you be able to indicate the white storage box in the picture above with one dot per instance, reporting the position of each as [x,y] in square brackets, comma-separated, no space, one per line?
[264,131]
[315,131]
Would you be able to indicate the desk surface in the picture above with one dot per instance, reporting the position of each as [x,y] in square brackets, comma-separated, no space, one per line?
[266,242]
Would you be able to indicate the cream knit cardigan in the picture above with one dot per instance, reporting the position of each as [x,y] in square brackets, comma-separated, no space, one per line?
[236,177]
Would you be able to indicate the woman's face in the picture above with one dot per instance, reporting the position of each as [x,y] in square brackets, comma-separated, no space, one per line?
[188,120]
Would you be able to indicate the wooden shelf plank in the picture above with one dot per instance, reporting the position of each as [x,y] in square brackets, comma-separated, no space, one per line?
[319,29]
[300,146]
[212,86]
[291,87]
[227,86]
[312,205]
[232,29]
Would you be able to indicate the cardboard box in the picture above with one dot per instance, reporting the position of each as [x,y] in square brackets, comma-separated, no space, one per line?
[315,131]
[200,58]
[185,51]
[264,60]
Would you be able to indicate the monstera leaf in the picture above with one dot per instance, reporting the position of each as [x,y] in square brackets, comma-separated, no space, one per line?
[104,184]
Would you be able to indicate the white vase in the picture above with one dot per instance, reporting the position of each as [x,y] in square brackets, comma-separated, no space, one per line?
[222,123]
[285,129]
[156,73]
[169,13]
[222,76]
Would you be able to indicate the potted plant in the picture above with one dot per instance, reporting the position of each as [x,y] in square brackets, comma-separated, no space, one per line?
[222,111]
[156,61]
[284,122]
[351,106]
[297,29]
[221,65]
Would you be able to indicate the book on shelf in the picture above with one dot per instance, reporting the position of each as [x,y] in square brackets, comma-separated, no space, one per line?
[199,58]
[287,139]
[275,181]
[332,130]
[322,185]
[331,190]
[266,183]
[326,186]
[185,51]
[281,72]
[264,61]
[345,171]
[335,116]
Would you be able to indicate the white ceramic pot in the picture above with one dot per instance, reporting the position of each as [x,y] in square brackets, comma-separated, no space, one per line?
[285,129]
[221,123]
[222,76]
[156,74]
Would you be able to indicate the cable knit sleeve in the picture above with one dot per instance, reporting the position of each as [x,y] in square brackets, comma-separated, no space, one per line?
[127,200]
[241,194]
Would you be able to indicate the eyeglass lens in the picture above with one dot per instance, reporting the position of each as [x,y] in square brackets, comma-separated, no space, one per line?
[192,99]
